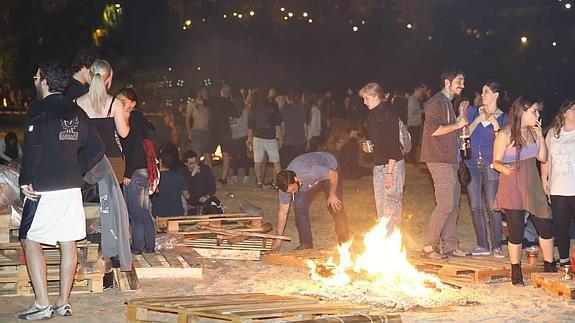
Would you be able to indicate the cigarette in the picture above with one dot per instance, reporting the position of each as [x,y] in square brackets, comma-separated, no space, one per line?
[539,122]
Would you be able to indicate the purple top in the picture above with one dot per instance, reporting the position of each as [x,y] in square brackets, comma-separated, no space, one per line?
[528,151]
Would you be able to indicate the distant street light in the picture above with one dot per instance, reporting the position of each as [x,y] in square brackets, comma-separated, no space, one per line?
[524,40]
[355,28]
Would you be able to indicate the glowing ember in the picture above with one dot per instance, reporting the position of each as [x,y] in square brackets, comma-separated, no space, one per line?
[384,264]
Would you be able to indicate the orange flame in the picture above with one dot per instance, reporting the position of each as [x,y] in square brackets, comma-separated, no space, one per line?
[384,263]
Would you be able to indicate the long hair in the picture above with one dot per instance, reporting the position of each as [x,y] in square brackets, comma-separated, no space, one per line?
[101,70]
[503,98]
[559,120]
[519,106]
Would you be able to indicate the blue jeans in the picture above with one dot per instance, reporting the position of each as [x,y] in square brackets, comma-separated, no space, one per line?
[303,201]
[139,209]
[482,190]
[389,201]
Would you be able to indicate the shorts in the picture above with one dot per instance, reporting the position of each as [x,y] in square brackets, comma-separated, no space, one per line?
[225,141]
[56,216]
[261,146]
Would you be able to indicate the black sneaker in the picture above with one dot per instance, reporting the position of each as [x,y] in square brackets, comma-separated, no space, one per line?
[37,312]
[457,253]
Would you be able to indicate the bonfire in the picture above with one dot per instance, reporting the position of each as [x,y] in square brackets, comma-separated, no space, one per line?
[380,275]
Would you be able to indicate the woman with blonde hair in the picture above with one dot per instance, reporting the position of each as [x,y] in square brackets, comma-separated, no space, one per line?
[107,114]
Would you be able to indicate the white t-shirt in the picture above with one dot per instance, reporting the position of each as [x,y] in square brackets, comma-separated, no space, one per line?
[561,163]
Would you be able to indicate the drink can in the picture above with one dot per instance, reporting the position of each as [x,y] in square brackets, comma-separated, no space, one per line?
[368,146]
[566,273]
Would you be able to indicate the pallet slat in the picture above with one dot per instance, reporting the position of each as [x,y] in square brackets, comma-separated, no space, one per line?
[237,307]
[552,283]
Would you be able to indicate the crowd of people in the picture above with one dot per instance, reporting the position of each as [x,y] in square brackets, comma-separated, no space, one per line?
[105,149]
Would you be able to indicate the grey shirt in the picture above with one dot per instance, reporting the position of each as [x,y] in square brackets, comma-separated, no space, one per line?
[311,168]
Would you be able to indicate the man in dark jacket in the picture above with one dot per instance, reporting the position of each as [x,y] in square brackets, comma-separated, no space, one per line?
[59,145]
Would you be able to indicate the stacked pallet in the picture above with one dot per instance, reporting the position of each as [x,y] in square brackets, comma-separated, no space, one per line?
[555,284]
[471,269]
[222,236]
[15,281]
[237,308]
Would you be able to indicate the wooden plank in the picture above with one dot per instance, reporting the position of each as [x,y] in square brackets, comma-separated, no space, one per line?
[192,261]
[235,254]
[359,318]
[246,233]
[297,258]
[554,284]
[153,259]
[173,260]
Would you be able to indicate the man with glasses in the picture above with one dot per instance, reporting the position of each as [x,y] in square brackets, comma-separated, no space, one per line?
[201,182]
[59,146]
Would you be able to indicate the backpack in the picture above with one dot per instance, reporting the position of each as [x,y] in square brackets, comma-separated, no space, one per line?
[152,166]
[404,138]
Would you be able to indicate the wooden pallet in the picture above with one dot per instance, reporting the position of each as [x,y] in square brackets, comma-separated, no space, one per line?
[237,307]
[225,247]
[167,265]
[470,269]
[13,254]
[552,283]
[17,282]
[189,224]
[298,258]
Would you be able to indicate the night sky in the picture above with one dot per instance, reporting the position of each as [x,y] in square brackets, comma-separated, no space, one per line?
[347,43]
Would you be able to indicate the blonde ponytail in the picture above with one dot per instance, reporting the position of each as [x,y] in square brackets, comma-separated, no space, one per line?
[98,93]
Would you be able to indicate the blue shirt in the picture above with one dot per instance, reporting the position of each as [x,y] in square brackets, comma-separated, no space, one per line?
[168,200]
[483,137]
[311,168]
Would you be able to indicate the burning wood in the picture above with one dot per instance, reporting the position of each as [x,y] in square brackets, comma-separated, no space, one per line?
[381,275]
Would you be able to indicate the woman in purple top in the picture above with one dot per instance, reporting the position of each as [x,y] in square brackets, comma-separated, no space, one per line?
[515,151]
[486,119]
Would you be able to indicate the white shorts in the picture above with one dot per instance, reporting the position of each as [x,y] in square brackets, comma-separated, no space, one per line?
[59,216]
[261,146]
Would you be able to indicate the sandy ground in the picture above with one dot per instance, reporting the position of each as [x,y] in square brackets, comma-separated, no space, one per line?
[496,302]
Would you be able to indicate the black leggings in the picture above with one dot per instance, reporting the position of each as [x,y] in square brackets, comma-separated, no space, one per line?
[516,225]
[563,208]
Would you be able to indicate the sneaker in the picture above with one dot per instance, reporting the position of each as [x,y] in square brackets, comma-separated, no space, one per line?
[246,179]
[63,310]
[433,254]
[223,181]
[233,179]
[457,253]
[480,251]
[37,312]
[498,253]
[259,185]
[271,185]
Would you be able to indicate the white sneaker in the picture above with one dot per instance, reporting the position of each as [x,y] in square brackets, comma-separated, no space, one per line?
[63,310]
[37,312]
[246,179]
[233,179]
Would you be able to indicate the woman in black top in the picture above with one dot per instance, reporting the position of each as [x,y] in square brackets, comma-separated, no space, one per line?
[136,184]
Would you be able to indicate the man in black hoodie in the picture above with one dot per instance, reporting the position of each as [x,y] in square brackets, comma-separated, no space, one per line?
[59,146]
